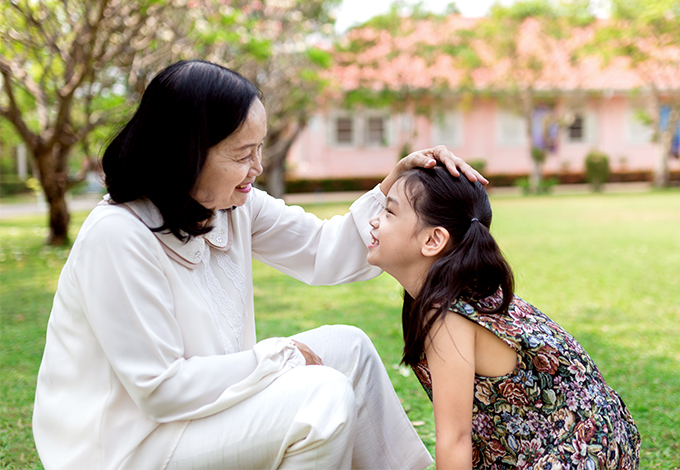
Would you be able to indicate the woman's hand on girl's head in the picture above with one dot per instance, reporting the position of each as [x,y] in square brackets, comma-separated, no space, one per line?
[427,159]
[455,165]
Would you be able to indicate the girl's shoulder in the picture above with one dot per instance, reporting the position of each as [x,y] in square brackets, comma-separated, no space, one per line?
[519,311]
[524,327]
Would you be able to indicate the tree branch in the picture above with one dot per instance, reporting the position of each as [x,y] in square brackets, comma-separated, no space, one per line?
[12,113]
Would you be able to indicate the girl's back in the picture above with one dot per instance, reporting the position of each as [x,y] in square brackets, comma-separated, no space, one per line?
[553,409]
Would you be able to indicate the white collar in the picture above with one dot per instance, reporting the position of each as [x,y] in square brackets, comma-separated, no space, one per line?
[189,253]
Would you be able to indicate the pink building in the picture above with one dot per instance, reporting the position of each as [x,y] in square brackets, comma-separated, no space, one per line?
[599,108]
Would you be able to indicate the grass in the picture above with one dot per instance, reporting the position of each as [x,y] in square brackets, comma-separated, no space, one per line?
[606,267]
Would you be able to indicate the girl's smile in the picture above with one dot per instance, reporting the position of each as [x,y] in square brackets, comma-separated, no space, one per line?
[397,239]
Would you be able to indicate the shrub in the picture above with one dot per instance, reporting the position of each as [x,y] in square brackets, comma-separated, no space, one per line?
[11,184]
[597,169]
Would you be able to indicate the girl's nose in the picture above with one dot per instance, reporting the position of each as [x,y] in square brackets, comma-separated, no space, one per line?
[374,222]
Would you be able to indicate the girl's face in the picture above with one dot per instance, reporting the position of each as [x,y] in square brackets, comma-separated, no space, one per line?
[233,164]
[396,246]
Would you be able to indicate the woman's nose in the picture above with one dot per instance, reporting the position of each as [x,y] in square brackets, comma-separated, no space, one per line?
[256,167]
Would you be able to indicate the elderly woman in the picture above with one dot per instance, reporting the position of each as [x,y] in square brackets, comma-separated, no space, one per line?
[151,359]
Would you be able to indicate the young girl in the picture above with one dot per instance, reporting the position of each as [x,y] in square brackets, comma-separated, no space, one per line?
[510,388]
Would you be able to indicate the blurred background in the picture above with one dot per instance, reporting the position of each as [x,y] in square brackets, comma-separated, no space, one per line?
[534,93]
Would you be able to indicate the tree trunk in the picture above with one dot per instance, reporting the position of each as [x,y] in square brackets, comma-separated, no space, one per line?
[661,171]
[535,178]
[276,185]
[536,170]
[278,145]
[54,181]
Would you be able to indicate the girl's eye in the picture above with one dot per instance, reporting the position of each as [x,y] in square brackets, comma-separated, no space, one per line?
[389,211]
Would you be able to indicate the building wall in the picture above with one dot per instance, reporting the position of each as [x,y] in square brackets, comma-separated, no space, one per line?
[610,122]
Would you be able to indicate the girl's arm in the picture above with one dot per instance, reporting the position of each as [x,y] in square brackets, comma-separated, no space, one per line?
[451,358]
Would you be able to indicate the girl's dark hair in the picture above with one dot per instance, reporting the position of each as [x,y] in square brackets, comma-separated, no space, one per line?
[186,109]
[472,267]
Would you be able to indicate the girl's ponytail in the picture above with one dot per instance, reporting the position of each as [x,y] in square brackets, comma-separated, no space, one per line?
[474,267]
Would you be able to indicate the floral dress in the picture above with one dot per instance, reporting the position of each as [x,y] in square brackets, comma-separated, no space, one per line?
[554,411]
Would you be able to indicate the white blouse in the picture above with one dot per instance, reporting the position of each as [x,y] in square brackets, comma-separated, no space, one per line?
[147,332]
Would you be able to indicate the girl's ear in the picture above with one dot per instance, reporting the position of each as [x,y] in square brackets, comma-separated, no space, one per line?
[436,239]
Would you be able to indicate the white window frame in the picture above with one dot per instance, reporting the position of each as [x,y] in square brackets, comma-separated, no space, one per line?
[589,128]
[637,132]
[332,129]
[447,129]
[511,129]
[387,128]
[360,129]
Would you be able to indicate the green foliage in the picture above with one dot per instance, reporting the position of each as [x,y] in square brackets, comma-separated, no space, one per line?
[478,164]
[597,169]
[522,10]
[406,149]
[11,184]
[320,57]
[545,185]
[538,155]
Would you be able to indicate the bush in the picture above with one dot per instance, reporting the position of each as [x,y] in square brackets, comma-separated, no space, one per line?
[331,185]
[597,169]
[478,164]
[538,155]
[11,184]
[544,186]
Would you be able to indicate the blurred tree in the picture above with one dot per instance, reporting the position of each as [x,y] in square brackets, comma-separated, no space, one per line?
[281,46]
[409,60]
[69,66]
[521,42]
[647,34]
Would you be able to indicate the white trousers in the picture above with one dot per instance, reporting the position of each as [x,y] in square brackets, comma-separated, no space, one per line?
[342,415]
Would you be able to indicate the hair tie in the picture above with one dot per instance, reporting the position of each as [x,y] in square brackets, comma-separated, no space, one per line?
[474,219]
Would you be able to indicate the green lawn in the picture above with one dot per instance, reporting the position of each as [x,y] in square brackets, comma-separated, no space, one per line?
[606,267]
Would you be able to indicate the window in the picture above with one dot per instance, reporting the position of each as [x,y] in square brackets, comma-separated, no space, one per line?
[371,128]
[447,129]
[510,129]
[375,131]
[638,130]
[344,130]
[583,127]
[576,132]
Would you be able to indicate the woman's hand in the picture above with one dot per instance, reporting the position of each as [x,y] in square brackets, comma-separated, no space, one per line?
[310,356]
[427,159]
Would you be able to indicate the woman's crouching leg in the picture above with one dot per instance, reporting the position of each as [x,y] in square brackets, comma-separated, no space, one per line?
[304,419]
[385,438]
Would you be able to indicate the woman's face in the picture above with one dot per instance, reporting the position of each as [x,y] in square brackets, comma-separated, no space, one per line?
[233,164]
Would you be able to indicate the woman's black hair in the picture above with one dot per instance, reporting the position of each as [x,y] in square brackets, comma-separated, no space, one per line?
[186,109]
[472,266]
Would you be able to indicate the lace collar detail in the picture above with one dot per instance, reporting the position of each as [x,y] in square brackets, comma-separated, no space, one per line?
[191,252]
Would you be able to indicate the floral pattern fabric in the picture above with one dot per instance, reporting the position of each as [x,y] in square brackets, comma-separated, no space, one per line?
[554,411]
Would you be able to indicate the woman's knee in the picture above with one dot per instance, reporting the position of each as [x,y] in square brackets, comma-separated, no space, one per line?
[349,338]
[326,387]
[329,407]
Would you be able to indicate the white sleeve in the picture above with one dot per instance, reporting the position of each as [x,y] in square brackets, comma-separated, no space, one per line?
[315,251]
[128,303]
